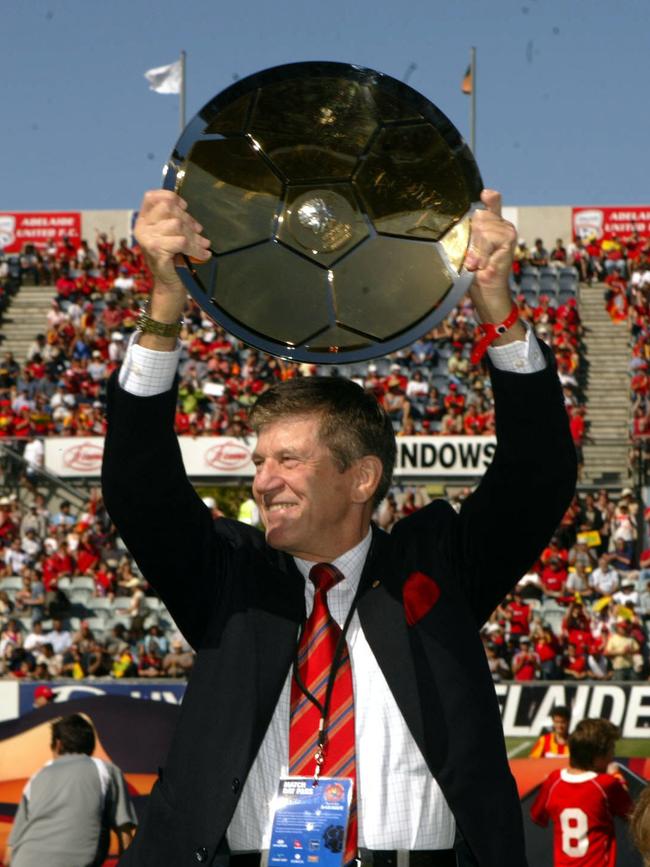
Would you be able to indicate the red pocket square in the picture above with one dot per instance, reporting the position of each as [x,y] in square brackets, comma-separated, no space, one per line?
[420,593]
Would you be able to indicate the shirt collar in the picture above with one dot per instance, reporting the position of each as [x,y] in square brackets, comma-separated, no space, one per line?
[577,778]
[350,563]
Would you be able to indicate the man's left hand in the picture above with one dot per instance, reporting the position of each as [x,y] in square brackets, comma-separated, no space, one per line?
[490,255]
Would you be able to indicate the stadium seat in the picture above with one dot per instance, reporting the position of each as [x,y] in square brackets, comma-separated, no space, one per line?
[440,380]
[530,295]
[568,279]
[549,283]
[101,615]
[152,620]
[565,296]
[110,622]
[80,596]
[64,583]
[529,282]
[83,582]
[102,603]
[553,615]
[96,624]
[11,582]
[121,602]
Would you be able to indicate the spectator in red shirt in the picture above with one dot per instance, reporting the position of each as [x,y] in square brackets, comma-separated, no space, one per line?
[111,316]
[595,263]
[8,528]
[575,666]
[576,626]
[547,648]
[517,613]
[473,422]
[454,399]
[554,549]
[558,257]
[87,554]
[554,576]
[525,663]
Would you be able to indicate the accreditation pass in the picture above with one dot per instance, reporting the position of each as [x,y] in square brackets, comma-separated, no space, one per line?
[310,821]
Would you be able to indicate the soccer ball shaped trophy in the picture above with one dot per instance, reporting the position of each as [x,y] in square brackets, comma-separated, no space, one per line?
[338,202]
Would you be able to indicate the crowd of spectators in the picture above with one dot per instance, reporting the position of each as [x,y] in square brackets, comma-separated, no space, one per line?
[77,580]
[59,388]
[583,609]
[72,605]
[71,602]
[594,259]
[636,293]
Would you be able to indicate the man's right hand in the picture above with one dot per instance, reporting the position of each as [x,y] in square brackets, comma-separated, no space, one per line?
[165,231]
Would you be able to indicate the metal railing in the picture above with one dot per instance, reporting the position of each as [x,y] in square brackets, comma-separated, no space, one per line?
[14,477]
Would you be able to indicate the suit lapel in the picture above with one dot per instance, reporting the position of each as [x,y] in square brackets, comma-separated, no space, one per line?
[381,613]
[278,611]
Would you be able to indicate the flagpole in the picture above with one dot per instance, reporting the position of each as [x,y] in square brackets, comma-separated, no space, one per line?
[182,92]
[472,104]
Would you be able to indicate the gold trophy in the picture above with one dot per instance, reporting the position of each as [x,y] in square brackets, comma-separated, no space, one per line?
[338,201]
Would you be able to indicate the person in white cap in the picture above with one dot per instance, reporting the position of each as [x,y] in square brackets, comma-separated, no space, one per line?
[116,347]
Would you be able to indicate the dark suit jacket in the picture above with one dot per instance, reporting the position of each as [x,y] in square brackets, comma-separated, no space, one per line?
[239,603]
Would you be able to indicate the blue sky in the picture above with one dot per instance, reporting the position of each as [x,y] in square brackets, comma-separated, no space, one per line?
[562,86]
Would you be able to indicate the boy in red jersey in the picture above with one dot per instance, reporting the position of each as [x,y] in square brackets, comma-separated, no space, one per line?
[583,799]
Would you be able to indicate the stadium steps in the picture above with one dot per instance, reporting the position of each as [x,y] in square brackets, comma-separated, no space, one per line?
[25,317]
[607,392]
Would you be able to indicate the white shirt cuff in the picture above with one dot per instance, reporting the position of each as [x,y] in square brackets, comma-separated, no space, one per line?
[520,356]
[146,372]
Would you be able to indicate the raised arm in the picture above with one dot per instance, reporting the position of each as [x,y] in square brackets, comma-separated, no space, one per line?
[506,522]
[165,231]
[161,519]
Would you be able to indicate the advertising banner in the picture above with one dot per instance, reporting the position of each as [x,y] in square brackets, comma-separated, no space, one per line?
[606,222]
[223,457]
[525,707]
[38,228]
[170,692]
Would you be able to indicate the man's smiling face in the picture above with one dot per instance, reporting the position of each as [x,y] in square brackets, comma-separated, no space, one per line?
[308,505]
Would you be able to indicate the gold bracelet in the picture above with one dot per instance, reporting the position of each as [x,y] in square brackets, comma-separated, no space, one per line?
[147,325]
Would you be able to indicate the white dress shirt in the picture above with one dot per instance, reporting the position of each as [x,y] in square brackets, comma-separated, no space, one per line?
[400,804]
[411,812]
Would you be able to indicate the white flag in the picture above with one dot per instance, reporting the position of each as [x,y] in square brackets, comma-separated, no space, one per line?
[165,79]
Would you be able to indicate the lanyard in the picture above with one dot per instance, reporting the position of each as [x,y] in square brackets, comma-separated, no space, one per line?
[324,708]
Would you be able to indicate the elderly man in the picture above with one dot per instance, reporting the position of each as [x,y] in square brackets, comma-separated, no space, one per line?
[372,671]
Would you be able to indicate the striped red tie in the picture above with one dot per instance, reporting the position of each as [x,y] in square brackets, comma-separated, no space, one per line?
[315,659]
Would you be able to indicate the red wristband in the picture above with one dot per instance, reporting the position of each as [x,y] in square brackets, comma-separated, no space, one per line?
[489,333]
